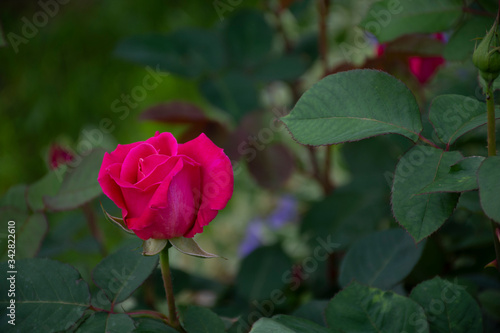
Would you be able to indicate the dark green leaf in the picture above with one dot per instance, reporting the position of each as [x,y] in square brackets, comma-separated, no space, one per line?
[448,306]
[233,93]
[358,308]
[79,185]
[388,19]
[47,186]
[15,198]
[119,274]
[490,302]
[454,115]
[29,233]
[107,322]
[390,255]
[299,324]
[488,179]
[190,247]
[313,311]
[344,216]
[197,319]
[187,52]
[354,105]
[248,38]
[461,44]
[422,214]
[152,326]
[460,178]
[284,68]
[268,325]
[263,273]
[50,296]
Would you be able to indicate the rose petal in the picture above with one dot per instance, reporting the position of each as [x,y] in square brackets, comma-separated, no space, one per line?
[217,172]
[205,216]
[118,155]
[159,173]
[174,207]
[131,163]
[165,143]
[150,163]
[109,186]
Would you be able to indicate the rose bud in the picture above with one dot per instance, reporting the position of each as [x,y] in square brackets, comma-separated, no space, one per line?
[486,56]
[167,190]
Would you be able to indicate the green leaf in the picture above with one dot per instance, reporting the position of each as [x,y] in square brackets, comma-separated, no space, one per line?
[312,311]
[490,302]
[50,296]
[47,186]
[29,233]
[454,115]
[152,326]
[488,179]
[283,323]
[448,306]
[79,185]
[232,92]
[388,19]
[344,216]
[264,273]
[152,246]
[248,38]
[354,105]
[422,214]
[299,324]
[190,247]
[15,198]
[390,256]
[461,44]
[186,52]
[122,272]
[461,177]
[107,322]
[358,308]
[268,325]
[197,319]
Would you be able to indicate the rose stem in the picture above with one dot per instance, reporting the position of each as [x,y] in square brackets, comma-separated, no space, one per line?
[492,151]
[169,290]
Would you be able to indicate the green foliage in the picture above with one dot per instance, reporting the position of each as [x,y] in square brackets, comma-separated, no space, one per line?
[354,105]
[389,19]
[454,115]
[461,177]
[79,185]
[107,322]
[358,308]
[198,319]
[51,297]
[422,214]
[119,274]
[263,273]
[391,253]
[488,179]
[286,324]
[448,306]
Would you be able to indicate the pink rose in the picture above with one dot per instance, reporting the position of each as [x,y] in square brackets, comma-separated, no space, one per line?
[167,190]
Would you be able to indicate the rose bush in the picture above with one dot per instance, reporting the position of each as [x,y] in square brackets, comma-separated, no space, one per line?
[165,189]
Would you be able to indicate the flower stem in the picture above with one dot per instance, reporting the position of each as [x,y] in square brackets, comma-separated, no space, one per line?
[492,151]
[169,290]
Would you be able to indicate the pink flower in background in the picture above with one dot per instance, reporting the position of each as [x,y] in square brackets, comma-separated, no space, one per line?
[59,156]
[165,189]
[422,67]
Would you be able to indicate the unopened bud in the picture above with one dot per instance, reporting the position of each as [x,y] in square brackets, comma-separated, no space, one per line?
[486,56]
